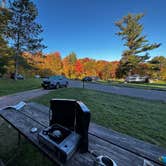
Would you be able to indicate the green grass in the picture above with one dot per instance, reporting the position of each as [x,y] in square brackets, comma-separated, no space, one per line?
[9,86]
[153,86]
[23,155]
[136,117]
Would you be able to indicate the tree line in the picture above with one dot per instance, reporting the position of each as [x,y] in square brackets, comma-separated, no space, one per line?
[24,53]
[76,68]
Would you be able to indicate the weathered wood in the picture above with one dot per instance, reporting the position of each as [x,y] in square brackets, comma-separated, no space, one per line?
[24,124]
[138,147]
[141,148]
[35,116]
[1,163]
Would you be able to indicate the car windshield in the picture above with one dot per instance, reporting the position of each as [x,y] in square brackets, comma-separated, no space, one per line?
[55,77]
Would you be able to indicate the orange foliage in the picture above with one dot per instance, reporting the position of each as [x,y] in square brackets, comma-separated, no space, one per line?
[53,64]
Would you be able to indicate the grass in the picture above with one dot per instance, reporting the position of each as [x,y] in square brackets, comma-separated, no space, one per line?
[24,154]
[136,117]
[152,86]
[9,86]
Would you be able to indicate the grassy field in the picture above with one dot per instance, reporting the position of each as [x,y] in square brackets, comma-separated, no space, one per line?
[139,118]
[153,86]
[8,86]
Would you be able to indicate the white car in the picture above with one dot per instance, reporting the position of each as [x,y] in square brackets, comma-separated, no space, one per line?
[137,79]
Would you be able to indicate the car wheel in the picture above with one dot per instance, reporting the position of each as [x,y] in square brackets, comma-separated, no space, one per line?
[57,86]
[67,84]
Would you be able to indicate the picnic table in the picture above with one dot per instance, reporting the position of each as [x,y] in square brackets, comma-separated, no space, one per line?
[123,149]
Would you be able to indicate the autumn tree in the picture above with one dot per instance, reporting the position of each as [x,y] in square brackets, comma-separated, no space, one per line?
[137,44]
[69,63]
[113,69]
[79,68]
[53,62]
[23,31]
[158,67]
[90,68]
[102,69]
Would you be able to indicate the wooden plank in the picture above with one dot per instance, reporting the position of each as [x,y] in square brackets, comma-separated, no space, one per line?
[34,117]
[1,163]
[146,150]
[141,148]
[24,124]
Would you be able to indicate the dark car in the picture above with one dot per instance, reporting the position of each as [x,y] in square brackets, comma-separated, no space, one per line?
[55,82]
[137,79]
[87,79]
[18,76]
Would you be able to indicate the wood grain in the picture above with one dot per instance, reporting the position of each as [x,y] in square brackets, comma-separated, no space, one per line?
[124,150]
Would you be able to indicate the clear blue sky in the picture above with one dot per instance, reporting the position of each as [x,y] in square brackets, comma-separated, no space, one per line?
[87,27]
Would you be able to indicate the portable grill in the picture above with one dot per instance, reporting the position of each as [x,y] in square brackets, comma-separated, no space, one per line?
[68,130]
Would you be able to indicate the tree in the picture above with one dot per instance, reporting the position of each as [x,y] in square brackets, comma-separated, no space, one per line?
[5,50]
[53,62]
[23,30]
[137,44]
[113,69]
[79,68]
[158,67]
[69,63]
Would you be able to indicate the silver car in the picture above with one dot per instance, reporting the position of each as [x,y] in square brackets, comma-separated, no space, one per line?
[137,79]
[55,82]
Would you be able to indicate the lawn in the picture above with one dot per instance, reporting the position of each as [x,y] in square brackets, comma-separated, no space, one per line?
[23,155]
[9,86]
[139,118]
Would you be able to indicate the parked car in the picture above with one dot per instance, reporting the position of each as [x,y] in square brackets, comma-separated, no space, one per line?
[55,82]
[18,76]
[95,78]
[137,79]
[37,76]
[87,79]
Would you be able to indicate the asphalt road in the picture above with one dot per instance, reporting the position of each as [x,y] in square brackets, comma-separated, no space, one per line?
[133,92]
[21,96]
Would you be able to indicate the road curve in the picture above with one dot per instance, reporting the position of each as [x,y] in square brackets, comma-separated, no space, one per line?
[21,96]
[133,92]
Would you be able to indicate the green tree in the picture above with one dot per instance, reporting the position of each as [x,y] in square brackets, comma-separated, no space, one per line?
[5,50]
[23,30]
[137,44]
[158,67]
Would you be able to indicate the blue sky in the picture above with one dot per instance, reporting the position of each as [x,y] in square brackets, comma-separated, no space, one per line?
[87,27]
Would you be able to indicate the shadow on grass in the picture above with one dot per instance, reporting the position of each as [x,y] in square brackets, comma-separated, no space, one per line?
[24,154]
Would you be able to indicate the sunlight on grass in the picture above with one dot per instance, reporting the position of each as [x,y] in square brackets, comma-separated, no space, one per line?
[140,118]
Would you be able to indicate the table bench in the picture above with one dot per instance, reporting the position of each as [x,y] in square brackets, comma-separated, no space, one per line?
[123,149]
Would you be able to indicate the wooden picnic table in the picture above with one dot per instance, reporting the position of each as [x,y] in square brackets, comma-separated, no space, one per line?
[123,149]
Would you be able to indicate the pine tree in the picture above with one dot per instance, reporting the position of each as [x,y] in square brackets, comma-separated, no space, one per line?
[23,30]
[137,44]
[5,50]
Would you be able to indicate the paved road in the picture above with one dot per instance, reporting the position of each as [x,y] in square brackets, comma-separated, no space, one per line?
[21,96]
[146,94]
[134,92]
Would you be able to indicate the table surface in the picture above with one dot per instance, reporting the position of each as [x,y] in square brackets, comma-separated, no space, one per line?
[123,149]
